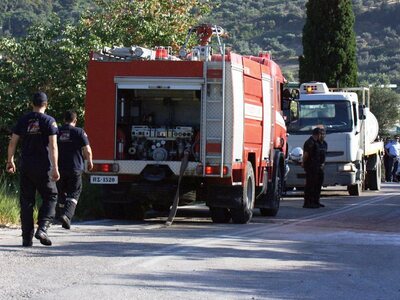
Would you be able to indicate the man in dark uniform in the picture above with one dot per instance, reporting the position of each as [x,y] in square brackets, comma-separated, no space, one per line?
[38,168]
[315,149]
[73,145]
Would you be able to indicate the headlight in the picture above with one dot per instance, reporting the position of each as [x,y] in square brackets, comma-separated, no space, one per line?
[347,168]
[296,154]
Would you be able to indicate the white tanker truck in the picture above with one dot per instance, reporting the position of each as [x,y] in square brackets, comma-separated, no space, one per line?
[354,156]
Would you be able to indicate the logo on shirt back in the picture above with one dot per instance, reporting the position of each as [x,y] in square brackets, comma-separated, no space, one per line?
[64,136]
[33,126]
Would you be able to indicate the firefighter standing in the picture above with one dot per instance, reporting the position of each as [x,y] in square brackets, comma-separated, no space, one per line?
[38,168]
[315,149]
[73,145]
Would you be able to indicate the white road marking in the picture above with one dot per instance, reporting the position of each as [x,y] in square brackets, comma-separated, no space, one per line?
[172,250]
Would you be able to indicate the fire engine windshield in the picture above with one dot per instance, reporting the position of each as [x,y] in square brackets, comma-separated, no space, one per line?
[335,116]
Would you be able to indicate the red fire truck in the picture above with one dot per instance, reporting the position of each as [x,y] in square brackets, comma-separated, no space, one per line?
[218,113]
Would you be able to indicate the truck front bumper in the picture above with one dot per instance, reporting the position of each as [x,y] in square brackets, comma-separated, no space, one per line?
[332,175]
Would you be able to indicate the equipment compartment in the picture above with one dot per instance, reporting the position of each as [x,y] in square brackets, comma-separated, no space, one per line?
[158,125]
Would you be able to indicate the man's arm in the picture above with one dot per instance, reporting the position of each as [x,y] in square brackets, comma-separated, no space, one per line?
[87,154]
[53,153]
[12,146]
[305,158]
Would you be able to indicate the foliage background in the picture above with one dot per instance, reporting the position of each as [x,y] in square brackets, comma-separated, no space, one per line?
[45,44]
[329,44]
[253,25]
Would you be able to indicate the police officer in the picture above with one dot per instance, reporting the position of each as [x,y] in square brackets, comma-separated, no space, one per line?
[73,147]
[315,149]
[38,168]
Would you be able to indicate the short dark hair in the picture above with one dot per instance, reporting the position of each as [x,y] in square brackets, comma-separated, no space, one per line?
[39,99]
[70,116]
[318,130]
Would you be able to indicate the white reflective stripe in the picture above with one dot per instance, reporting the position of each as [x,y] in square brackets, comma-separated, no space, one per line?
[252,111]
[72,200]
[268,129]
[238,112]
[279,119]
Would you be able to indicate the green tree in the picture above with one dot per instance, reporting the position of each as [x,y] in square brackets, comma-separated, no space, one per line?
[385,105]
[145,23]
[329,44]
[52,57]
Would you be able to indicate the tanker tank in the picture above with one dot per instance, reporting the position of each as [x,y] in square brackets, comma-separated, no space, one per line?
[371,127]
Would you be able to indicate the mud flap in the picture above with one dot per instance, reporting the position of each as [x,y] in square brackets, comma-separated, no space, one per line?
[174,208]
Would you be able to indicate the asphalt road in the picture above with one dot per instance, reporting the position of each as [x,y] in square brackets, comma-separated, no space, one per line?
[348,250]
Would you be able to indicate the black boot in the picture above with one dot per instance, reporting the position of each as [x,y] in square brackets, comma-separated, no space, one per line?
[59,212]
[27,239]
[41,234]
[66,222]
[69,211]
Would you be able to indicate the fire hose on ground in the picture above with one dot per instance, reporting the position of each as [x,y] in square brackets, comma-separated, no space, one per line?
[174,208]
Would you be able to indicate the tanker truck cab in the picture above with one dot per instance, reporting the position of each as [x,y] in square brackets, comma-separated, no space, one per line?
[353,157]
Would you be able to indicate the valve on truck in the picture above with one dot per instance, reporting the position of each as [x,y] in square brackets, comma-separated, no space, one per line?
[121,146]
[121,142]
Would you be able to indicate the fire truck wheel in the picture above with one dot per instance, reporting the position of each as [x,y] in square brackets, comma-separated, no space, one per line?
[161,207]
[220,215]
[274,194]
[134,211]
[113,210]
[244,214]
[112,198]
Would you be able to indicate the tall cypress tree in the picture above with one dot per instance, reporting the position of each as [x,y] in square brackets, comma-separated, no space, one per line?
[329,44]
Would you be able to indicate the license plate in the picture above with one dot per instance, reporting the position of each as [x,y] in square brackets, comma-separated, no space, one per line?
[103,179]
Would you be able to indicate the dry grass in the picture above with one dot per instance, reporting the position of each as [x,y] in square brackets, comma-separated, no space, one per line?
[89,206]
[9,203]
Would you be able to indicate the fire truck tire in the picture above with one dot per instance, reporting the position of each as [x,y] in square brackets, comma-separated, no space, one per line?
[112,199]
[274,194]
[113,210]
[161,207]
[134,211]
[355,189]
[220,215]
[244,214]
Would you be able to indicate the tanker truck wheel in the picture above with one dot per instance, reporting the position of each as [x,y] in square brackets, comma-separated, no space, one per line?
[244,214]
[375,176]
[355,189]
[220,214]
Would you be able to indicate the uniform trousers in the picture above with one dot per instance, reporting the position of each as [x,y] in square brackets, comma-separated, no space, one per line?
[312,188]
[392,168]
[69,189]
[30,182]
